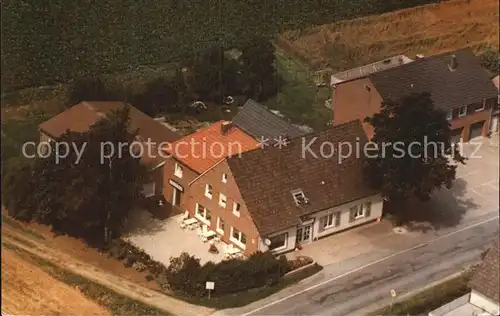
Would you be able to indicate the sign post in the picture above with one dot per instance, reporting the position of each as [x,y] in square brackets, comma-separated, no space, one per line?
[209,286]
[393,294]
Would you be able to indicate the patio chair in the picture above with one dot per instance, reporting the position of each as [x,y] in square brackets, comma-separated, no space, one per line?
[216,239]
[183,217]
[194,226]
[204,239]
[183,225]
[199,231]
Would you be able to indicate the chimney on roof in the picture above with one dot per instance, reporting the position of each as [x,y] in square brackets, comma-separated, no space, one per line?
[453,63]
[225,127]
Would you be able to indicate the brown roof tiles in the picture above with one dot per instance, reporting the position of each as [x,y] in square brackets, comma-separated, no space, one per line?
[82,116]
[267,177]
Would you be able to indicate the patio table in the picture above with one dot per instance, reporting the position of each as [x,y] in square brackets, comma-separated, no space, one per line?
[234,251]
[190,221]
[209,234]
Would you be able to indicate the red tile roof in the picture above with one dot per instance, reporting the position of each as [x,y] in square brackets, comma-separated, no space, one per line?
[204,148]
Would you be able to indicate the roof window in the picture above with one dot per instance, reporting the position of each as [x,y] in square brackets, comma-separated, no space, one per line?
[299,197]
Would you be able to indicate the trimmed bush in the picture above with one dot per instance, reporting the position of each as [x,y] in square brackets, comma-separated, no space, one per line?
[186,276]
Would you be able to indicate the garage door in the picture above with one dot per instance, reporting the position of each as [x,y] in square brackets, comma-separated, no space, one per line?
[456,135]
[476,130]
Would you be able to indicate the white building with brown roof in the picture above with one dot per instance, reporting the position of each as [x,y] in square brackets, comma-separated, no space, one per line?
[484,297]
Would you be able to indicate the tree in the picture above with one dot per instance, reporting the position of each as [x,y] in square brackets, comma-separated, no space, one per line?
[414,152]
[490,59]
[91,89]
[90,199]
[258,58]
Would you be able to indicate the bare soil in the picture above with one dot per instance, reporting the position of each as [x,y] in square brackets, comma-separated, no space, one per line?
[427,30]
[28,290]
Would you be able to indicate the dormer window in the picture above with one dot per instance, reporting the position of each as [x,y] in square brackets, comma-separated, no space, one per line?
[224,178]
[299,197]
[367,88]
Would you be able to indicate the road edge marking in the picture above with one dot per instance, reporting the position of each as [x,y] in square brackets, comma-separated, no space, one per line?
[369,265]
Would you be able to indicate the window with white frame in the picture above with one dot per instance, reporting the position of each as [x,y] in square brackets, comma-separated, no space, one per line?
[361,211]
[462,111]
[238,237]
[449,115]
[236,209]
[299,197]
[208,191]
[278,242]
[203,213]
[483,105]
[224,178]
[222,200]
[328,221]
[148,189]
[178,171]
[220,225]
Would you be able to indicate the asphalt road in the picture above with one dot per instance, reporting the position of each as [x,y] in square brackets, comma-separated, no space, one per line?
[342,290]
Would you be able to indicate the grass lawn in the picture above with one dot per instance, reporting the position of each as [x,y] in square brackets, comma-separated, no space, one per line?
[430,299]
[299,99]
[16,132]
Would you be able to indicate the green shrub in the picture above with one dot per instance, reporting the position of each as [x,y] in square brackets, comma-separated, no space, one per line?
[186,276]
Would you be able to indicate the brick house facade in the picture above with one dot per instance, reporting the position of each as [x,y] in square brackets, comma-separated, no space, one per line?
[458,85]
[254,201]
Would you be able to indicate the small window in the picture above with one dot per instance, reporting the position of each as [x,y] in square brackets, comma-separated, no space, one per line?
[329,221]
[236,209]
[203,213]
[178,171]
[482,106]
[358,211]
[449,115]
[278,242]
[299,197]
[238,237]
[462,111]
[222,200]
[208,191]
[367,88]
[224,178]
[220,225]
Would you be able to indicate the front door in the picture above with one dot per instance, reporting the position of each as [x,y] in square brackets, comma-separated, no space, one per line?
[304,234]
[176,196]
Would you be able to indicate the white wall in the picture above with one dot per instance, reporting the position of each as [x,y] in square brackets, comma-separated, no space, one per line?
[483,302]
[290,244]
[376,211]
